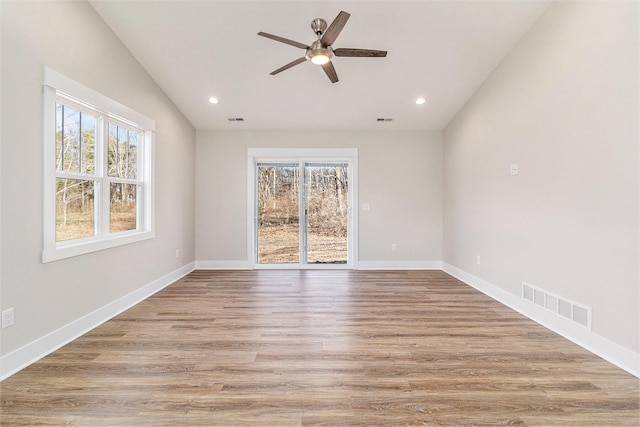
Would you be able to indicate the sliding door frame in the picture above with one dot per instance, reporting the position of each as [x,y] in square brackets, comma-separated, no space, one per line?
[301,156]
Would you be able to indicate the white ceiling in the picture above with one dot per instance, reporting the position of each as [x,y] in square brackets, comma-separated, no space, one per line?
[441,50]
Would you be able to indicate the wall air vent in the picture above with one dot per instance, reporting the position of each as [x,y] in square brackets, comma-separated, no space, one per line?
[559,306]
[235,119]
[384,119]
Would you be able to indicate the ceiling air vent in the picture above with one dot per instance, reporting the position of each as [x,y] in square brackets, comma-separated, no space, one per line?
[235,119]
[384,119]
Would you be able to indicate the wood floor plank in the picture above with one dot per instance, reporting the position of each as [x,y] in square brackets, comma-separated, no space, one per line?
[291,348]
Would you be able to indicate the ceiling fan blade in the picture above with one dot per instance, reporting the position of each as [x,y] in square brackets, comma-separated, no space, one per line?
[289,65]
[283,40]
[330,71]
[334,29]
[360,53]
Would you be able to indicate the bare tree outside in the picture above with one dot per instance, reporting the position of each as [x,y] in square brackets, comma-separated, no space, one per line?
[327,219]
[123,163]
[76,185]
[75,153]
[326,209]
[278,214]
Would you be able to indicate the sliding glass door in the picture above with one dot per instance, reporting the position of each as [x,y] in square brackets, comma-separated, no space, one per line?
[302,213]
[326,225]
[278,188]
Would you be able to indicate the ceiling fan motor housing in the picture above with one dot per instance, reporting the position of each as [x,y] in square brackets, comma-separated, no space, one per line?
[319,26]
[318,50]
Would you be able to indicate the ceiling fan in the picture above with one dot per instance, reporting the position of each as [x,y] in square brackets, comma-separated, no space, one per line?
[320,51]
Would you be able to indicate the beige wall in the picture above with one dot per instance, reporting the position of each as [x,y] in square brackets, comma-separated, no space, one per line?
[72,39]
[564,106]
[400,176]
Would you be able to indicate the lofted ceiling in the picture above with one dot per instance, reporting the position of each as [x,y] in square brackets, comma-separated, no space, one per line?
[440,50]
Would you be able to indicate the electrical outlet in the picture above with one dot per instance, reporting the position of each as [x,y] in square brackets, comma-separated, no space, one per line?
[177,253]
[478,260]
[7,317]
[366,206]
[393,247]
[515,169]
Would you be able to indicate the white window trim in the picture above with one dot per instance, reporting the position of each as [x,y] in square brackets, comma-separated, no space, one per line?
[301,155]
[56,84]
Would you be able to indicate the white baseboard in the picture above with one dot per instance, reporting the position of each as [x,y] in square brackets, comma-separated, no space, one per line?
[399,265]
[614,353]
[361,265]
[223,265]
[39,348]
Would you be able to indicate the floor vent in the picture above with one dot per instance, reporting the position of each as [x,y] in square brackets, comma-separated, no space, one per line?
[384,119]
[235,119]
[562,307]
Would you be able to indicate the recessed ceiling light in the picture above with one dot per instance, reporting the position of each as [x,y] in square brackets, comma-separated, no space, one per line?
[420,101]
[213,100]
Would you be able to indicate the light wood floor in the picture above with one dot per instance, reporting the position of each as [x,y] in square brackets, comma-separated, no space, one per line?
[320,347]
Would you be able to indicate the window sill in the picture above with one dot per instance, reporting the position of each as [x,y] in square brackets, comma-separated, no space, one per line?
[68,250]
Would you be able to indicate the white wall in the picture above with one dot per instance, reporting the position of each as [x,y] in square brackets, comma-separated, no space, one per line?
[72,39]
[564,105]
[400,176]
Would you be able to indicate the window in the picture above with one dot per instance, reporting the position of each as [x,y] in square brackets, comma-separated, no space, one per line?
[98,171]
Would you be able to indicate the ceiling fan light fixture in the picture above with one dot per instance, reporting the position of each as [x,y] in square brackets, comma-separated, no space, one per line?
[319,55]
[320,59]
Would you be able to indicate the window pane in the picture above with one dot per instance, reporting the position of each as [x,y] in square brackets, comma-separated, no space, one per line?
[278,214]
[121,157]
[88,143]
[74,209]
[123,152]
[132,157]
[124,207]
[113,150]
[70,139]
[327,219]
[75,140]
[59,137]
